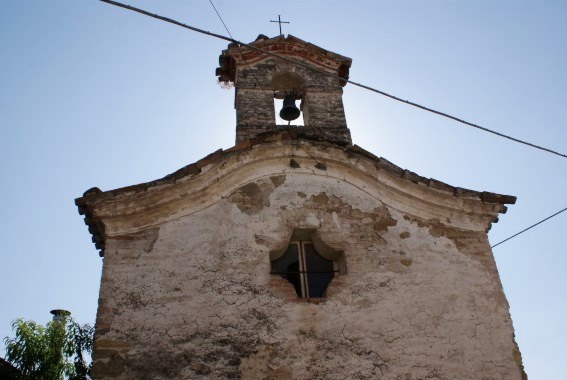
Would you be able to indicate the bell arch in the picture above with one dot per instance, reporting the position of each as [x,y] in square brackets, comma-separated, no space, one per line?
[260,78]
[289,87]
[287,81]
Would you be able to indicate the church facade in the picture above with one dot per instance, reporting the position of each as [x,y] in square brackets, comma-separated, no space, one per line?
[296,254]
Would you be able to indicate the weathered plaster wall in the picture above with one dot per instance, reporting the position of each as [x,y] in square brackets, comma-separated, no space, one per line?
[186,290]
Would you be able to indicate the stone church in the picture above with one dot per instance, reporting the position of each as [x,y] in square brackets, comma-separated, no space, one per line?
[296,254]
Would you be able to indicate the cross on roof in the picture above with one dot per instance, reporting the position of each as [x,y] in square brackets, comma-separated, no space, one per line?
[280,22]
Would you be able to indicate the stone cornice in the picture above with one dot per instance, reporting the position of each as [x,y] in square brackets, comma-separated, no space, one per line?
[198,185]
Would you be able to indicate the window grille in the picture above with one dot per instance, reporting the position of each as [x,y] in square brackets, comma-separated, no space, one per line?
[308,271]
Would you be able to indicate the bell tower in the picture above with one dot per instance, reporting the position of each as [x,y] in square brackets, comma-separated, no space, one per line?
[260,78]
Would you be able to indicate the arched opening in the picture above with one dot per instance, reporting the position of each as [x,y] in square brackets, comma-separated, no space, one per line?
[307,263]
[288,90]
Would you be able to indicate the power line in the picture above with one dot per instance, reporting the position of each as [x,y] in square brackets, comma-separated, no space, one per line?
[530,227]
[239,43]
[218,14]
[268,97]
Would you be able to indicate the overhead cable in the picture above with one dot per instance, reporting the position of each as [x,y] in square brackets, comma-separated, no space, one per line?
[166,19]
[268,97]
[530,227]
[218,14]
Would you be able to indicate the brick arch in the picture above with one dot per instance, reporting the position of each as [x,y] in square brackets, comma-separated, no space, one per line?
[287,80]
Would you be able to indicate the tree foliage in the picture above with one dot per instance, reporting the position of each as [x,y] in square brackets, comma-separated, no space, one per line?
[51,352]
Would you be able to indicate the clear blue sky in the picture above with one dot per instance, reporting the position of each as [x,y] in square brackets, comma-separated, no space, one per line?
[93,95]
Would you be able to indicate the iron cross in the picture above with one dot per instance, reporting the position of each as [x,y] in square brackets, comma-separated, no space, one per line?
[280,22]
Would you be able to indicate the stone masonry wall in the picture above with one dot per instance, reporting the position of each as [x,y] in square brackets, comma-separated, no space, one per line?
[255,113]
[322,99]
[327,107]
[186,290]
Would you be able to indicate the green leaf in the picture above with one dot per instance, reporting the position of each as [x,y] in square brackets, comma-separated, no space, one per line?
[51,352]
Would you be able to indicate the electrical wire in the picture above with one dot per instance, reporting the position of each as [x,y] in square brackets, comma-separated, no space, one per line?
[218,14]
[333,75]
[268,97]
[530,227]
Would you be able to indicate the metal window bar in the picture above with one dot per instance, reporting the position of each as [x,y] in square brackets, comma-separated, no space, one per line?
[311,271]
[304,274]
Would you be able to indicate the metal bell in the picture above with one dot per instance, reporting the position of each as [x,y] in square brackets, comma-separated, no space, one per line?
[289,110]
